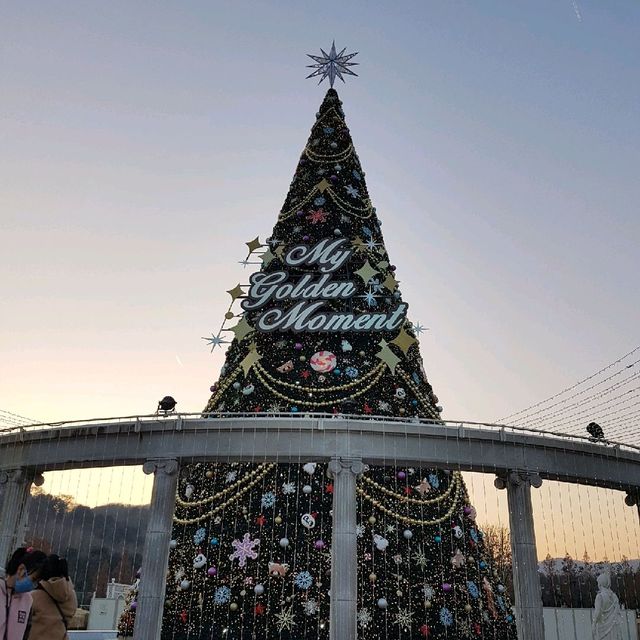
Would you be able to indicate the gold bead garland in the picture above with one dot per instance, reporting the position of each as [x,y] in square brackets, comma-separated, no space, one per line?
[416,521]
[429,501]
[337,157]
[222,506]
[315,403]
[349,385]
[232,376]
[426,403]
[262,469]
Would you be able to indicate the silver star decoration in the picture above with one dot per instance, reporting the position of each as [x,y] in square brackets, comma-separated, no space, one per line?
[332,65]
[418,328]
[215,341]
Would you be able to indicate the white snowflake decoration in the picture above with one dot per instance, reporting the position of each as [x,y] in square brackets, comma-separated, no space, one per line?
[288,488]
[310,607]
[403,618]
[360,530]
[428,591]
[364,618]
[285,619]
[231,477]
[420,558]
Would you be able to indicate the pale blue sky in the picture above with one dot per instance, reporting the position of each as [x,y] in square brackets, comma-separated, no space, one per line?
[142,143]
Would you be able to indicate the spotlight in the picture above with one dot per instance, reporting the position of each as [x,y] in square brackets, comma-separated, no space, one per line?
[595,431]
[166,405]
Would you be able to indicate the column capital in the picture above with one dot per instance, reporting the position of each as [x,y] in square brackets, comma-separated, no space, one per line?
[21,475]
[167,466]
[517,478]
[343,463]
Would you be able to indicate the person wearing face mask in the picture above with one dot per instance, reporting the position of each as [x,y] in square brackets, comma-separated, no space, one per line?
[22,574]
[54,602]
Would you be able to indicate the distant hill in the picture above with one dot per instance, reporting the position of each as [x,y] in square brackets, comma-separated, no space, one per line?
[100,543]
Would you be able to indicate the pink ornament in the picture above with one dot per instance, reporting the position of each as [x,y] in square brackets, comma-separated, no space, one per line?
[298,346]
[446,586]
[323,361]
[319,544]
[212,571]
[401,475]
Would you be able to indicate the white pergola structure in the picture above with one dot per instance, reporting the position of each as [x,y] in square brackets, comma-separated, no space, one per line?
[520,459]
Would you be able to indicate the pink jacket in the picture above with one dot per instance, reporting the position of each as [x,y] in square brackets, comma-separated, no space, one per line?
[18,606]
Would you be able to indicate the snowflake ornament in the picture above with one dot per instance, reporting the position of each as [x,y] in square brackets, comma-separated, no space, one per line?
[310,607]
[364,618]
[244,549]
[222,595]
[231,477]
[285,619]
[288,488]
[199,535]
[303,580]
[403,618]
[268,500]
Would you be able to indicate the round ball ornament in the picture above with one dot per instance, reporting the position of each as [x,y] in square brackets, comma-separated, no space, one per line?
[185,584]
[212,571]
[372,520]
[278,520]
[467,607]
[408,534]
[446,587]
[243,593]
[233,606]
[133,605]
[372,577]
[284,542]
[319,544]
[258,589]
[427,604]
[173,544]
[323,361]
[382,603]
[307,489]
[199,561]
[209,474]
[236,385]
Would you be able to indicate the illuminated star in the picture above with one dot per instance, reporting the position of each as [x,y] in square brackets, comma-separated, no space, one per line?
[371,244]
[418,328]
[215,341]
[370,298]
[285,619]
[332,65]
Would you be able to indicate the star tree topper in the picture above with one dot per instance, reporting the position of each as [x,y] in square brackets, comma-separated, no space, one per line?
[331,65]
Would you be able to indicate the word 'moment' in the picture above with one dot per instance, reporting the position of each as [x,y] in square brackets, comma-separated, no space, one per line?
[309,294]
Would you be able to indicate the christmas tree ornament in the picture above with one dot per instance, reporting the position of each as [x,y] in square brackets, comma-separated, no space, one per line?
[308,521]
[382,603]
[323,361]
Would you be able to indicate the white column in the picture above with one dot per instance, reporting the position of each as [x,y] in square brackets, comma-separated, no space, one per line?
[16,484]
[344,542]
[153,574]
[526,581]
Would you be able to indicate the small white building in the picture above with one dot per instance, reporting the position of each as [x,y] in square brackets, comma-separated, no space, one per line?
[104,613]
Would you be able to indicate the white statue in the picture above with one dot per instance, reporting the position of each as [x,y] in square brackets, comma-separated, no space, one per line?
[607,617]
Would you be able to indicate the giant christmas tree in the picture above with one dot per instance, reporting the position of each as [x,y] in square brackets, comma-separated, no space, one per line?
[322,326]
